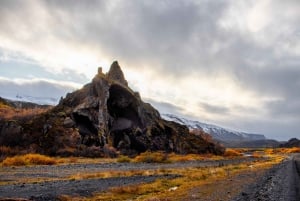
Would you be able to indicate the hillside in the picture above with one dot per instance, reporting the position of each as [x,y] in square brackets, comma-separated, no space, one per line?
[216,132]
[103,118]
[294,142]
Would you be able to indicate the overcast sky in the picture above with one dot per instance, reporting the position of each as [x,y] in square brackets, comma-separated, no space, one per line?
[232,63]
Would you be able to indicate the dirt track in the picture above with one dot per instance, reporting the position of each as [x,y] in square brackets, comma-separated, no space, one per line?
[281,183]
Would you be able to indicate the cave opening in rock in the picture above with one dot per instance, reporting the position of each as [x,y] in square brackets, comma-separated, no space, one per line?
[123,108]
[87,130]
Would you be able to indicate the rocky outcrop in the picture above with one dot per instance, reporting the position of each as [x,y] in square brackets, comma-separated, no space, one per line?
[116,74]
[294,142]
[107,113]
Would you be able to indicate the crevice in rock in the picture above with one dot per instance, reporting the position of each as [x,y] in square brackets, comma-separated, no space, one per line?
[125,121]
[87,130]
[122,107]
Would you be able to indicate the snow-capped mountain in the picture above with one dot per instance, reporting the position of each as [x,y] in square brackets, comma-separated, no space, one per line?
[218,133]
[32,99]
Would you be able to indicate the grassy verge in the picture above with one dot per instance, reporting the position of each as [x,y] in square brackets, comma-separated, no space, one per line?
[28,159]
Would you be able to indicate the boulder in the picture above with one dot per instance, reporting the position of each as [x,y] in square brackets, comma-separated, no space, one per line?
[68,122]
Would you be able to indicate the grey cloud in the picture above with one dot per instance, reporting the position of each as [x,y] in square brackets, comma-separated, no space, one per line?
[281,83]
[168,35]
[29,68]
[215,109]
[273,128]
[177,38]
[285,108]
[165,107]
[36,89]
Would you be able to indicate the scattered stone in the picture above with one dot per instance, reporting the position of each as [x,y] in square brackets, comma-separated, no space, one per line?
[68,122]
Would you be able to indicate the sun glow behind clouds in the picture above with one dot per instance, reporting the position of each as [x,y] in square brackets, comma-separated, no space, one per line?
[215,59]
[190,91]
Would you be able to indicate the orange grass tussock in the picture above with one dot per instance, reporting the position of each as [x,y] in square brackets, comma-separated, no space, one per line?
[232,153]
[152,157]
[292,150]
[28,159]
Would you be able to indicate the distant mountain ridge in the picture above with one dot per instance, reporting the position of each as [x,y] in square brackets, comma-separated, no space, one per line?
[217,133]
[22,104]
[33,99]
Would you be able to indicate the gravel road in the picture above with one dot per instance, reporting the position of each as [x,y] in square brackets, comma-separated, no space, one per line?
[14,174]
[280,183]
[51,190]
[48,190]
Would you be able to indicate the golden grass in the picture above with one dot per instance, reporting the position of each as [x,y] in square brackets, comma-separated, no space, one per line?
[160,157]
[131,189]
[8,112]
[116,173]
[123,159]
[192,157]
[232,153]
[292,150]
[29,159]
[152,157]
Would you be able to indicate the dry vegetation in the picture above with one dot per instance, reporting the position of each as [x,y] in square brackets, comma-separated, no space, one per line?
[232,153]
[28,159]
[152,157]
[292,150]
[7,112]
[11,157]
[161,189]
[178,188]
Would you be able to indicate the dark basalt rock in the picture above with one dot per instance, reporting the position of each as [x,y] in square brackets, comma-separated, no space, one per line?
[107,113]
[293,142]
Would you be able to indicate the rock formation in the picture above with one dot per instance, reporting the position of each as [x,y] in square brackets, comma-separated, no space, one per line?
[293,142]
[107,113]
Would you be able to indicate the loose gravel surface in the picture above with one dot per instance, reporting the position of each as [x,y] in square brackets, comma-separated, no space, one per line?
[280,183]
[14,183]
[51,190]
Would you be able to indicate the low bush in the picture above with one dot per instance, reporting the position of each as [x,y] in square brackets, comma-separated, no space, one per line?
[232,153]
[28,159]
[152,157]
[292,150]
[123,159]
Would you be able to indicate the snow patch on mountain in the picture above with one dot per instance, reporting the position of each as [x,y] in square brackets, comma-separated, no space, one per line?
[32,99]
[216,132]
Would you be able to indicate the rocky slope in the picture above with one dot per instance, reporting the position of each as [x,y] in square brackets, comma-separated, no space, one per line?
[294,142]
[100,118]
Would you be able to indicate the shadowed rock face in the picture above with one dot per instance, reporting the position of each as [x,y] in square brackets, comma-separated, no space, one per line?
[107,113]
[294,142]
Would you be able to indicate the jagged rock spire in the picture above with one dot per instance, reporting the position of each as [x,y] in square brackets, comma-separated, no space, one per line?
[115,73]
